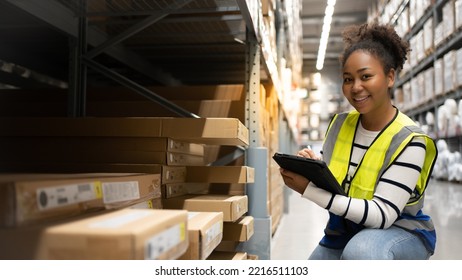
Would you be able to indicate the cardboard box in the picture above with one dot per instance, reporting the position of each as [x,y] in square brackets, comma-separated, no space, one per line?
[205,231]
[230,256]
[241,230]
[100,150]
[154,203]
[181,189]
[173,174]
[213,131]
[233,207]
[220,174]
[114,144]
[147,108]
[32,198]
[94,127]
[196,92]
[126,234]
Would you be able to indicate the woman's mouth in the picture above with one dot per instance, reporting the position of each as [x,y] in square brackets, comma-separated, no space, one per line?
[360,99]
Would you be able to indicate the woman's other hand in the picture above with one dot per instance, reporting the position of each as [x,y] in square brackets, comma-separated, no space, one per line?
[294,181]
[308,153]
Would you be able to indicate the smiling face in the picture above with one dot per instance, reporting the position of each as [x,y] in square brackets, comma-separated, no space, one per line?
[366,85]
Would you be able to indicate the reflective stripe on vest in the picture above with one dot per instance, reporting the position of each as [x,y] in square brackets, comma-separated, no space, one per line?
[383,151]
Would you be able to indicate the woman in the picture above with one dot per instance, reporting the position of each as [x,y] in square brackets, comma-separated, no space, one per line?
[378,154]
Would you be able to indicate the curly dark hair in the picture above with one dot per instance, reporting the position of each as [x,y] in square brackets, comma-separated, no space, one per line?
[377,39]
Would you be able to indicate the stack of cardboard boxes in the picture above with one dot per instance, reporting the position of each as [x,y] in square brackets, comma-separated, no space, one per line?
[133,158]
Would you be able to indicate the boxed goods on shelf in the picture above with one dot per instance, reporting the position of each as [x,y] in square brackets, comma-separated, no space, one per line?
[125,234]
[448,166]
[450,71]
[205,231]
[111,150]
[458,67]
[449,19]
[240,230]
[428,36]
[229,180]
[226,101]
[34,198]
[439,77]
[181,189]
[218,131]
[419,46]
[233,207]
[458,13]
[438,34]
[220,174]
[79,144]
[185,188]
[429,84]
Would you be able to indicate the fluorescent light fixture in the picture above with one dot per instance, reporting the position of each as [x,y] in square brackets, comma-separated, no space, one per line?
[325,33]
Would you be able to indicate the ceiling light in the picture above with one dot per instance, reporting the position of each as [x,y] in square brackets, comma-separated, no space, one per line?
[325,33]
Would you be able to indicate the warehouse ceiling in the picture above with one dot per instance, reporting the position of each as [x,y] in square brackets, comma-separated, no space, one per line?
[346,12]
[192,41]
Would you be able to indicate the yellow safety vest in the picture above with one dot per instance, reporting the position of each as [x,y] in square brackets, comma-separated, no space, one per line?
[383,151]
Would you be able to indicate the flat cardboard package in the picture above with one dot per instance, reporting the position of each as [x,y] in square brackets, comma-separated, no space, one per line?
[87,127]
[33,198]
[180,189]
[214,131]
[220,174]
[241,230]
[233,207]
[205,231]
[231,256]
[100,150]
[169,173]
[127,234]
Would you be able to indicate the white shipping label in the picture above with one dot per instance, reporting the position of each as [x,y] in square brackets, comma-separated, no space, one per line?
[164,241]
[120,191]
[48,198]
[213,232]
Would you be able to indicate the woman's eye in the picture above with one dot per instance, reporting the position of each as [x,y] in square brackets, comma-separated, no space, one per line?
[366,76]
[346,80]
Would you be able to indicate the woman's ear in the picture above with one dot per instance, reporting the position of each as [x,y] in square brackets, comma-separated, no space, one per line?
[391,77]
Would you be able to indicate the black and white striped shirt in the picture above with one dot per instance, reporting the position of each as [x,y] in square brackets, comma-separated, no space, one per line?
[393,191]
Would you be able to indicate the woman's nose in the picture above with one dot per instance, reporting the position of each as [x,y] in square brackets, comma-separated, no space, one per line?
[356,86]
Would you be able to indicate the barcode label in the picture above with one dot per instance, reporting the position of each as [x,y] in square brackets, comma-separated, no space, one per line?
[120,191]
[213,232]
[84,188]
[59,196]
[164,241]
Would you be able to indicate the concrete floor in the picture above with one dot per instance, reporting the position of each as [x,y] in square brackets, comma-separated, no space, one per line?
[302,226]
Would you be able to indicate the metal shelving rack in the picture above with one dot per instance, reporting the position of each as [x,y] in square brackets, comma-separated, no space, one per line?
[182,42]
[453,42]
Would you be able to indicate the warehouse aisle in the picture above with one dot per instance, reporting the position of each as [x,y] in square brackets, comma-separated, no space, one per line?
[302,227]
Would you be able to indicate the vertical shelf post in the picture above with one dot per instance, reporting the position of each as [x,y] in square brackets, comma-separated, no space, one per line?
[78,69]
[256,157]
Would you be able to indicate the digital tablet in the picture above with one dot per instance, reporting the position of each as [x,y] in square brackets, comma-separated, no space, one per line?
[314,170]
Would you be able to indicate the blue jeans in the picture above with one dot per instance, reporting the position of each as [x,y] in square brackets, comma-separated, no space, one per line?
[393,243]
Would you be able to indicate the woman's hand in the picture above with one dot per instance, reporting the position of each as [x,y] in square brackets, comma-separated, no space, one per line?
[308,153]
[294,181]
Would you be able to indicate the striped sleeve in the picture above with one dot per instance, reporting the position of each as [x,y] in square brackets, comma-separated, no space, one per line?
[393,191]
